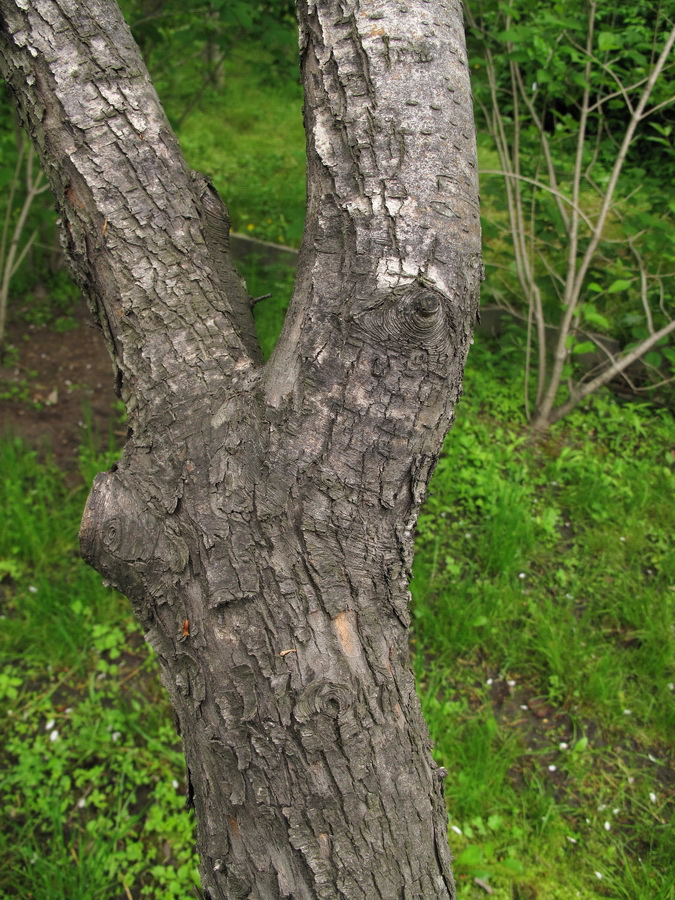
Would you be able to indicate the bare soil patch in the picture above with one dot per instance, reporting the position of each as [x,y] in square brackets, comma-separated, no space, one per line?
[52,385]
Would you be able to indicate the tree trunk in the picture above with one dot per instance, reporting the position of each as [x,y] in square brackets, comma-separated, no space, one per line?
[261,517]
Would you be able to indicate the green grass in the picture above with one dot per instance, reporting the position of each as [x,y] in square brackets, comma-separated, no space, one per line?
[544,581]
[91,767]
[250,139]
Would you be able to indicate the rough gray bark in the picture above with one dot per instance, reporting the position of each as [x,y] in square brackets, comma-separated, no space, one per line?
[261,518]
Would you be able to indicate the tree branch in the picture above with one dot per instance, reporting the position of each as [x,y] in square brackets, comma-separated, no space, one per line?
[392,175]
[131,220]
[543,187]
[616,368]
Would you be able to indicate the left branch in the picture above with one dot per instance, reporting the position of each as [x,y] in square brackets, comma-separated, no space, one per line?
[132,220]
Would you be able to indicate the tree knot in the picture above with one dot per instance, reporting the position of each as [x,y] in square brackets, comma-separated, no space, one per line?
[136,550]
[414,317]
[323,698]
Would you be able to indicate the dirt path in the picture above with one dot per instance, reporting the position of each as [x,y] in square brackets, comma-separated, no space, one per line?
[52,385]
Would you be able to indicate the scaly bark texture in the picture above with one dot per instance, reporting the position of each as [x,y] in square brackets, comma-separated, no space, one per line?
[261,517]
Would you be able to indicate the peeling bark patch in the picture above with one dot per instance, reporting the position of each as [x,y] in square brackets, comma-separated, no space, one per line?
[345,626]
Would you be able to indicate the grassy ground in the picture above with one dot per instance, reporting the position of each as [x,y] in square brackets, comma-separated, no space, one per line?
[250,139]
[543,590]
[543,628]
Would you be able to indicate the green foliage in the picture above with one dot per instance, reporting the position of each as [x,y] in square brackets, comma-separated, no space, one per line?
[543,586]
[262,173]
[201,36]
[91,766]
[235,101]
[277,279]
[554,101]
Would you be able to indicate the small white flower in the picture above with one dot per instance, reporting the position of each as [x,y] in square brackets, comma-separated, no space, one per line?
[174,784]
[53,735]
[554,484]
[598,875]
[68,710]
[628,712]
[81,803]
[571,839]
[32,589]
[607,826]
[652,796]
[468,535]
[563,746]
[671,685]
[615,812]
[521,575]
[569,596]
[488,682]
[622,538]
[455,829]
[552,768]
[511,682]
[116,735]
[49,725]
[524,706]
[631,780]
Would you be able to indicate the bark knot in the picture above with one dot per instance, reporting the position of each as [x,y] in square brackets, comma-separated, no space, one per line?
[134,549]
[414,317]
[323,698]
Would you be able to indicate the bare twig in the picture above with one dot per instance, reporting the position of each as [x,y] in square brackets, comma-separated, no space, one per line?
[617,367]
[10,256]
[577,274]
[542,186]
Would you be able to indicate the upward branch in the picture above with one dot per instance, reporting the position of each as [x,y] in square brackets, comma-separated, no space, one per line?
[392,175]
[132,218]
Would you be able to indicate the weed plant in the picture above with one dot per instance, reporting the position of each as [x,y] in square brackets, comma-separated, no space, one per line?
[543,626]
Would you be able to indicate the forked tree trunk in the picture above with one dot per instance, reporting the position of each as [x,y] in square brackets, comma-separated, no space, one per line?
[261,517]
